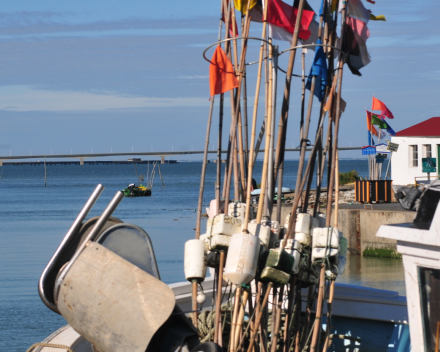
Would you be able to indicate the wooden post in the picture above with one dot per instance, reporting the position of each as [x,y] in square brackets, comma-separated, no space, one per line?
[218,303]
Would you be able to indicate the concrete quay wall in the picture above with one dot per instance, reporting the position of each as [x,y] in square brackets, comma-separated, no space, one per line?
[360,227]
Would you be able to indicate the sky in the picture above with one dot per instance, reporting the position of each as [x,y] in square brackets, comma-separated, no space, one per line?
[118,76]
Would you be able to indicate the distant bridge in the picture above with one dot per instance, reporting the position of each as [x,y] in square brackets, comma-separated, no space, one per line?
[81,157]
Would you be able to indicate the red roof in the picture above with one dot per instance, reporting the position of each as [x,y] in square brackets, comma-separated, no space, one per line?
[428,128]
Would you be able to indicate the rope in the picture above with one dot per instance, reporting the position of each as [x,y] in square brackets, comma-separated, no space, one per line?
[52,345]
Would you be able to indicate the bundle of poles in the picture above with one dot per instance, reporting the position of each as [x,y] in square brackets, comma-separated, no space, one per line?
[300,329]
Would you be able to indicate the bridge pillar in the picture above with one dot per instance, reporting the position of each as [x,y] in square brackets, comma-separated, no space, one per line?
[162,159]
[81,161]
[1,162]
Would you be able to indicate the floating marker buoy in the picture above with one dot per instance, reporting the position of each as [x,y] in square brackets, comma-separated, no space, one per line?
[242,259]
[195,260]
[201,298]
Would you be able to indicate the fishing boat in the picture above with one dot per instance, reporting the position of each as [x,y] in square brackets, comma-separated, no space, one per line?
[140,190]
[136,191]
[272,280]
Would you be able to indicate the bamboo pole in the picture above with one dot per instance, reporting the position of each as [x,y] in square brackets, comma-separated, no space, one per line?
[218,327]
[281,141]
[240,317]
[266,151]
[242,156]
[270,181]
[254,123]
[258,318]
[276,327]
[287,323]
[329,314]
[219,155]
[317,323]
[232,335]
[202,177]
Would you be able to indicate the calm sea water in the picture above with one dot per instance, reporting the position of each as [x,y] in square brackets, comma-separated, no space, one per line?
[34,219]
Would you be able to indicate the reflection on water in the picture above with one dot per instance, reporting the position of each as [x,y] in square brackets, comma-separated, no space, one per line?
[382,273]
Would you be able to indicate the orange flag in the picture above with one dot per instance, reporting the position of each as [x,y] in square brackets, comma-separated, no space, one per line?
[222,76]
[378,105]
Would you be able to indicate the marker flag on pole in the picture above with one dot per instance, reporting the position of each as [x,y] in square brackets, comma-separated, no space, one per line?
[369,123]
[389,129]
[319,70]
[355,46]
[378,105]
[356,10]
[377,18]
[241,5]
[222,76]
[375,120]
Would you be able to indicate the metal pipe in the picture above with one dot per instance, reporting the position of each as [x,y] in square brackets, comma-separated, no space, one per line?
[51,269]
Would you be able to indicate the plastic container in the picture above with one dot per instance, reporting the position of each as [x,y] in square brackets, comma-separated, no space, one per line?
[223,225]
[262,231]
[238,210]
[242,259]
[295,252]
[195,260]
[321,218]
[320,253]
[321,237]
[216,242]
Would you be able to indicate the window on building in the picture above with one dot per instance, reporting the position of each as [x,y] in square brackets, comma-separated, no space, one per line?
[427,151]
[413,156]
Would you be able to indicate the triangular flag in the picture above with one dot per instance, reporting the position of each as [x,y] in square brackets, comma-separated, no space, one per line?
[242,5]
[378,105]
[356,10]
[222,77]
[319,70]
[377,18]
[382,134]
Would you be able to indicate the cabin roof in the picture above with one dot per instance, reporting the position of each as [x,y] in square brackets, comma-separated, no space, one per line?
[427,128]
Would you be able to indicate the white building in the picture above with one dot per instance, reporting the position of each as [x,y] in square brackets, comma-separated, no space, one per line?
[416,142]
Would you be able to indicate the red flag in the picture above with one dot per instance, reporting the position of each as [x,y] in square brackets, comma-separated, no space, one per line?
[378,105]
[283,15]
[370,126]
[222,76]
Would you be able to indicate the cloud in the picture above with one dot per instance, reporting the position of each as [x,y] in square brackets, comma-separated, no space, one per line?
[25,98]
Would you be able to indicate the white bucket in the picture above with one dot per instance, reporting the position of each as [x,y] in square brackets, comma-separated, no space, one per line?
[195,260]
[242,259]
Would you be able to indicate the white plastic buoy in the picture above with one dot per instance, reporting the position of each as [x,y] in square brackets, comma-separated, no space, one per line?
[223,225]
[326,236]
[201,298]
[262,231]
[195,260]
[320,253]
[242,259]
[302,228]
[238,210]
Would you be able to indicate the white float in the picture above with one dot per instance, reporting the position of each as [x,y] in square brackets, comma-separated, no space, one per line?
[195,260]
